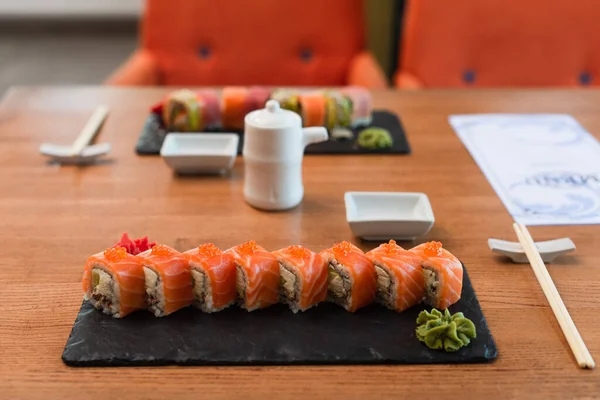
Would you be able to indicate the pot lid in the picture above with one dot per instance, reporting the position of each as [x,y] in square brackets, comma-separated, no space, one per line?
[273,116]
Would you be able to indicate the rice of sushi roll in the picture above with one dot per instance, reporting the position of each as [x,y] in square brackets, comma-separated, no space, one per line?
[168,280]
[352,281]
[113,282]
[303,277]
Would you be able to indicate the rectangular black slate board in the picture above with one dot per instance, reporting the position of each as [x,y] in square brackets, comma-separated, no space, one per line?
[153,135]
[326,334]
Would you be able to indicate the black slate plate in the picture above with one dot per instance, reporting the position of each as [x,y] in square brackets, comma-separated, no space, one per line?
[326,334]
[153,135]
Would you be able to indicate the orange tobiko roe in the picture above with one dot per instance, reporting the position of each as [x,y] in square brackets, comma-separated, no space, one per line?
[209,250]
[248,248]
[433,249]
[115,254]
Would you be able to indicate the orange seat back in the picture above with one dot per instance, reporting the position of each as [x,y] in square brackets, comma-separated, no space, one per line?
[463,43]
[266,42]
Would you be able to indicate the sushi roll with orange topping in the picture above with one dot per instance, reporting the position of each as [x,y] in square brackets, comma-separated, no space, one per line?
[113,281]
[213,277]
[168,280]
[352,277]
[400,280]
[257,276]
[235,105]
[303,277]
[443,274]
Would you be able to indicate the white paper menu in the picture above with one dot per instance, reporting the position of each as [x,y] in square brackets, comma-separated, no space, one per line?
[544,167]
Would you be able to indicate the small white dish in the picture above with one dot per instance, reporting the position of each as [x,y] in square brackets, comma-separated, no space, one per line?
[200,153]
[388,215]
[549,249]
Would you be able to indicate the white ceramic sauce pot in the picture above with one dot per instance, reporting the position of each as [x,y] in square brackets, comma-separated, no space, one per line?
[274,143]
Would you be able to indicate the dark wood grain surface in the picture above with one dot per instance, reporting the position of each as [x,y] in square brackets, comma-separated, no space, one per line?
[52,218]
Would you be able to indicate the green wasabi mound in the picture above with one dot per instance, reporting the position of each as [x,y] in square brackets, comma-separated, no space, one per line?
[375,138]
[444,331]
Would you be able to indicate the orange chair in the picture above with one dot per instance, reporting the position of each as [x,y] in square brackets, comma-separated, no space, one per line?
[258,42]
[472,43]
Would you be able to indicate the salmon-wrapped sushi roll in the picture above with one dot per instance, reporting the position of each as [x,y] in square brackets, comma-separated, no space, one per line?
[113,282]
[352,276]
[312,109]
[400,283]
[213,277]
[257,276]
[235,105]
[168,280]
[303,277]
[443,274]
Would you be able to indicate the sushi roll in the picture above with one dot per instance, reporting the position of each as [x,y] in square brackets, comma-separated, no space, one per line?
[288,99]
[181,112]
[235,105]
[352,281]
[400,282]
[303,277]
[338,110]
[258,97]
[443,275]
[210,109]
[213,277]
[361,104]
[312,109]
[257,276]
[168,280]
[113,282]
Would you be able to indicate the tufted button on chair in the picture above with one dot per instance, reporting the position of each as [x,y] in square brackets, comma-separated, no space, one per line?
[467,43]
[259,42]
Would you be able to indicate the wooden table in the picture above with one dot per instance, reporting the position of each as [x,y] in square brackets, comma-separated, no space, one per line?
[53,217]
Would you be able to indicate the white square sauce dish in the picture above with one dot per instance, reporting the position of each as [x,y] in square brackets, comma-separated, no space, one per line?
[200,153]
[388,215]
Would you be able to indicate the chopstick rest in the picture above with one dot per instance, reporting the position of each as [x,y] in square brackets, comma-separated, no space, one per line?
[79,152]
[548,250]
[578,347]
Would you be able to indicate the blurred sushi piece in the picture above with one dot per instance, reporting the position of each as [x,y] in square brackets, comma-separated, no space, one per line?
[187,111]
[303,277]
[288,99]
[257,97]
[312,108]
[362,104]
[257,276]
[168,280]
[235,104]
[181,112]
[352,277]
[442,272]
[213,277]
[400,280]
[113,281]
[210,105]
[338,110]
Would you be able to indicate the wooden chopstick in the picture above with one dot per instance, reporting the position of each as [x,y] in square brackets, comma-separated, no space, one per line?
[89,130]
[578,347]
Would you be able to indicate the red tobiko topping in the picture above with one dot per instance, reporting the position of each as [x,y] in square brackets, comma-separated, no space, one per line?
[248,248]
[135,246]
[161,250]
[115,254]
[433,249]
[298,251]
[343,247]
[391,247]
[209,250]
